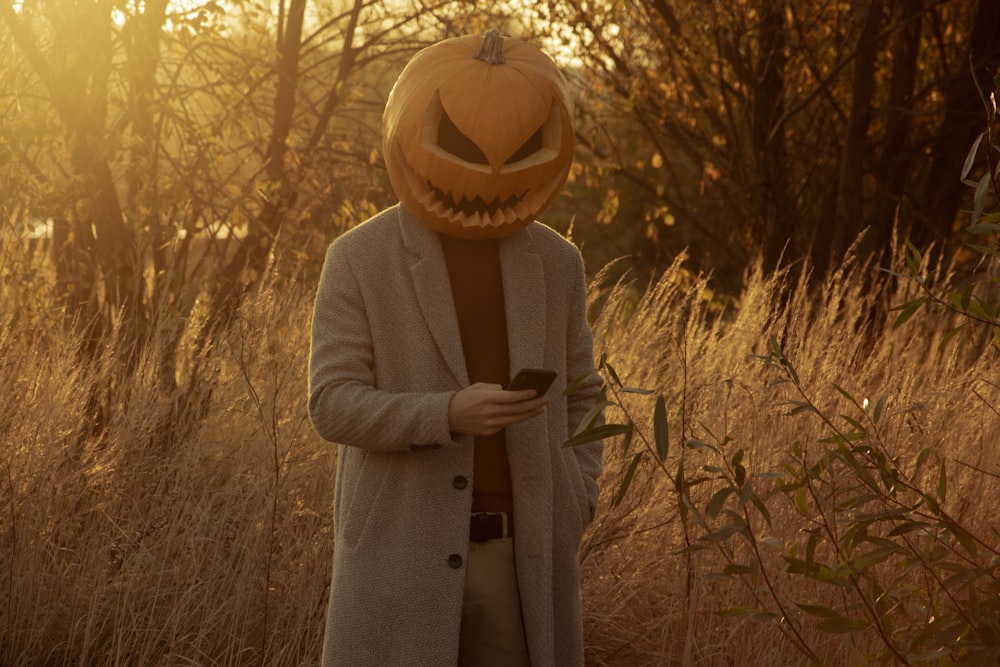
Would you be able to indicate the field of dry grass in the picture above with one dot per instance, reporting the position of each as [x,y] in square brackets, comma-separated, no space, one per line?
[647,603]
[178,512]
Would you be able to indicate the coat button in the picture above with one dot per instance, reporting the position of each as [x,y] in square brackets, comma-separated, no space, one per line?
[454,561]
[460,482]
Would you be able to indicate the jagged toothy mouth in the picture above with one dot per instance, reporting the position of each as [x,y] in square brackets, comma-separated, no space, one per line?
[495,212]
[475,212]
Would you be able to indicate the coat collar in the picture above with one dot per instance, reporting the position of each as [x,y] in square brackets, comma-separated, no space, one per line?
[524,295]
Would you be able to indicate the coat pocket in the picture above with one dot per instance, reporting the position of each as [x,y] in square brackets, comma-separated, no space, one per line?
[579,486]
[365,487]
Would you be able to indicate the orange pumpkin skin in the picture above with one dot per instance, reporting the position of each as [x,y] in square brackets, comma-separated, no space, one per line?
[478,142]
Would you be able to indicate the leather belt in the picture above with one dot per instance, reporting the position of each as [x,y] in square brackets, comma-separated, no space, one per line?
[485,526]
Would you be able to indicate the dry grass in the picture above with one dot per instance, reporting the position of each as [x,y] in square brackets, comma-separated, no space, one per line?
[178,512]
[188,523]
[646,603]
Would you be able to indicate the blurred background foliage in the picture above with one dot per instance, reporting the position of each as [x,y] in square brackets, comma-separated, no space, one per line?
[165,153]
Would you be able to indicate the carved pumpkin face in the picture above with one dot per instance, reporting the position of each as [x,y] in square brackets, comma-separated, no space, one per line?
[478,135]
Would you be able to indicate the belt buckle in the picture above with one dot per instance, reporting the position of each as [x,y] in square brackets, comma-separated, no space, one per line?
[484,526]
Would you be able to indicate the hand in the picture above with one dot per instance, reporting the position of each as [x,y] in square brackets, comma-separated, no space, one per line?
[485,409]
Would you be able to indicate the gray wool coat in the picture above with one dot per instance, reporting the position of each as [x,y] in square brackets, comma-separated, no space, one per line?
[386,359]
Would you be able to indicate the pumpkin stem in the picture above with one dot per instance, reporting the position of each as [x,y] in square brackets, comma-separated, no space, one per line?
[491,51]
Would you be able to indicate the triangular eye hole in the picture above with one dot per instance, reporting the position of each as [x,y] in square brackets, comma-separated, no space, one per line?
[454,141]
[528,148]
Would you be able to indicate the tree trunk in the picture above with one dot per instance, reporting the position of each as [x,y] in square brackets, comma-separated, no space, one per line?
[894,173]
[251,257]
[776,219]
[100,249]
[849,219]
[141,36]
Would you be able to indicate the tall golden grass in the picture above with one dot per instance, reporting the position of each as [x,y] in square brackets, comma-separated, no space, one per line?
[650,602]
[176,510]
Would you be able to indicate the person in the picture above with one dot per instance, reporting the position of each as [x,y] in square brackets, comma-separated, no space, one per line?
[458,514]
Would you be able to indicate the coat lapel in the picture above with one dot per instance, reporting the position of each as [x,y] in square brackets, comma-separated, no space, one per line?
[524,297]
[430,282]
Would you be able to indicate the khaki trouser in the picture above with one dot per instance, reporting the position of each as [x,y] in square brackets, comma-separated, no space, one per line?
[492,628]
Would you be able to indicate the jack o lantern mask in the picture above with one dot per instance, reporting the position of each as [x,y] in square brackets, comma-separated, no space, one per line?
[478,135]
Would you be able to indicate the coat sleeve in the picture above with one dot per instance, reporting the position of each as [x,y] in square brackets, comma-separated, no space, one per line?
[345,406]
[580,361]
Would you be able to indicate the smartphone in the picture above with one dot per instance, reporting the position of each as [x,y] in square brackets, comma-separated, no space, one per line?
[539,379]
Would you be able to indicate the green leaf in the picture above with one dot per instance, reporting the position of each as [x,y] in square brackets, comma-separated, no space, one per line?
[597,433]
[718,501]
[818,610]
[856,424]
[811,550]
[660,431]
[913,259]
[800,502]
[921,459]
[964,538]
[779,354]
[970,159]
[961,300]
[843,392]
[842,624]
[799,407]
[879,408]
[736,569]
[799,566]
[982,227]
[627,480]
[905,527]
[682,489]
[776,348]
[747,490]
[591,416]
[627,441]
[989,251]
[932,503]
[907,310]
[866,561]
[979,196]
[740,474]
[985,309]
[949,334]
[613,374]
[761,507]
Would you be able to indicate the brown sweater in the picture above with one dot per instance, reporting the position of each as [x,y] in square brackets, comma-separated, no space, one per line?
[477,289]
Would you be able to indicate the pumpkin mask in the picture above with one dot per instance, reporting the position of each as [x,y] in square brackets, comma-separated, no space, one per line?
[478,135]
